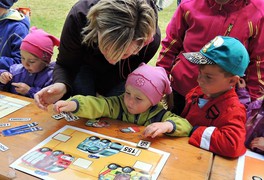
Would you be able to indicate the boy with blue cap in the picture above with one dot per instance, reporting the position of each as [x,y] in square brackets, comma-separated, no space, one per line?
[14,27]
[213,107]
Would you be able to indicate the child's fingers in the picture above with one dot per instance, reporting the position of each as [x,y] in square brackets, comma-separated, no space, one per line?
[62,106]
[7,76]
[4,78]
[54,108]
[155,133]
[148,132]
[10,76]
[57,107]
[15,84]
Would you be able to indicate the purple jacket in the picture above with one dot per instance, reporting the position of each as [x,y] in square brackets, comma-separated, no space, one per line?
[36,81]
[255,117]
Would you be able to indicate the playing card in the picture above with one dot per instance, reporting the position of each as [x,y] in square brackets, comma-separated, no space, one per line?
[69,116]
[58,116]
[3,147]
[99,124]
[90,122]
[143,144]
[132,129]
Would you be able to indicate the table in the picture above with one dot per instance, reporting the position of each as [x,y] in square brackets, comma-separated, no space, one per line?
[185,161]
[223,168]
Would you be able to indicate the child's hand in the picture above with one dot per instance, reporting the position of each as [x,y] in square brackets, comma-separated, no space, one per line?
[241,83]
[157,128]
[64,106]
[21,88]
[5,77]
[257,143]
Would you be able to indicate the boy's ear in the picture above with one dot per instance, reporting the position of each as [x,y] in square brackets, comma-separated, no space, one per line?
[234,80]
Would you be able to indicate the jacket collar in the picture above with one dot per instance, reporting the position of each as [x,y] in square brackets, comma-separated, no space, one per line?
[13,15]
[232,5]
[227,95]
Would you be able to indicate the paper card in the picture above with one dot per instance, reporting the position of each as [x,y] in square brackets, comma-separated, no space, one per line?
[3,147]
[83,163]
[62,137]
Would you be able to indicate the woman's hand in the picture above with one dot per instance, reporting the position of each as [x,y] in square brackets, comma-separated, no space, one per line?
[50,95]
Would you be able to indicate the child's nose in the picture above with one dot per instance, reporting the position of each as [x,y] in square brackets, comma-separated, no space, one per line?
[26,64]
[130,101]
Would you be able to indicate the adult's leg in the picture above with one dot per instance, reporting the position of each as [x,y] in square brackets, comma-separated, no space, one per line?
[116,90]
[84,83]
[179,103]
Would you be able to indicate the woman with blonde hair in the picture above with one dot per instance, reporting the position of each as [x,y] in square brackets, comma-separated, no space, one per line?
[101,43]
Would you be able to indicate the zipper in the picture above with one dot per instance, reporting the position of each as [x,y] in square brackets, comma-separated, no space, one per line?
[229,29]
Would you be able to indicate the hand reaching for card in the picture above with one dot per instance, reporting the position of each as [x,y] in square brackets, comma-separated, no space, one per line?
[65,106]
[157,128]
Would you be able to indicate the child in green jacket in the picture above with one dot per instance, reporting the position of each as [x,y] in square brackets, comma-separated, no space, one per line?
[140,104]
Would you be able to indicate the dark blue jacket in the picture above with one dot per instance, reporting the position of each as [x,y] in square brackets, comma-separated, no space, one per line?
[14,26]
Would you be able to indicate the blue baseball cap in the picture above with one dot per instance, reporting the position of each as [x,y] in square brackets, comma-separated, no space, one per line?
[227,52]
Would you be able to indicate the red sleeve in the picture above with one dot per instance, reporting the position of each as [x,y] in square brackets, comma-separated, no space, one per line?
[255,70]
[227,140]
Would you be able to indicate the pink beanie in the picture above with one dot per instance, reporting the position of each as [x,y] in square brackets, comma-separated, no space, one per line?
[40,43]
[150,80]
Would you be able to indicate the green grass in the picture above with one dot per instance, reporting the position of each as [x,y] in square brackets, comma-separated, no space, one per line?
[50,16]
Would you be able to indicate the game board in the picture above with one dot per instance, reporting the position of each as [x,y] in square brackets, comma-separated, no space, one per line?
[9,105]
[74,153]
[250,166]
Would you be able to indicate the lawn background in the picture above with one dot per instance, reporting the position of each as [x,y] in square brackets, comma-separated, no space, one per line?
[50,16]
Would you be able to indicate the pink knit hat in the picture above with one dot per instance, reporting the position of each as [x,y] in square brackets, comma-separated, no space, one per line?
[150,80]
[40,43]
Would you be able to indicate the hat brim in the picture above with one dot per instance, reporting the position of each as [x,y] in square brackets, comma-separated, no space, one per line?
[197,58]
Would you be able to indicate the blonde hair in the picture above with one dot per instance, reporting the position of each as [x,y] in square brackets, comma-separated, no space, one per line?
[119,22]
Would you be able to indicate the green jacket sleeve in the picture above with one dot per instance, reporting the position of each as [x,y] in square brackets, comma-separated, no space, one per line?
[182,127]
[95,107]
